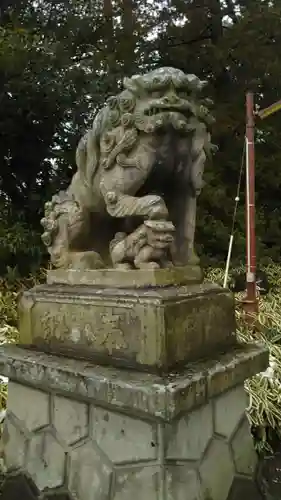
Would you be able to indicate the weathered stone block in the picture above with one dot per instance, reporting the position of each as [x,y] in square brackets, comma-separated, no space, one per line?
[70,419]
[183,483]
[245,458]
[229,409]
[21,398]
[15,444]
[144,394]
[217,471]
[190,436]
[123,439]
[89,473]
[130,278]
[145,439]
[152,329]
[45,461]
[138,483]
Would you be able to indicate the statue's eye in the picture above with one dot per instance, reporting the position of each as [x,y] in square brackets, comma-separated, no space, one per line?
[182,94]
[156,93]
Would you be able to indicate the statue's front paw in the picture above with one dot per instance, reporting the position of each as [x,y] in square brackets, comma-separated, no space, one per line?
[124,266]
[148,265]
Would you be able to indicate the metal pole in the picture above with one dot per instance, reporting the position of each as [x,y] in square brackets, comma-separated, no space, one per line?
[250,303]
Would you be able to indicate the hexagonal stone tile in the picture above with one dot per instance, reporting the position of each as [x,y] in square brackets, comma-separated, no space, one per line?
[189,437]
[46,461]
[183,483]
[245,457]
[229,409]
[217,471]
[123,438]
[22,398]
[89,475]
[15,443]
[138,483]
[70,419]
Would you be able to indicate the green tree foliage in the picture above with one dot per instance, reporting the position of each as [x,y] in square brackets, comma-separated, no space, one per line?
[235,47]
[59,60]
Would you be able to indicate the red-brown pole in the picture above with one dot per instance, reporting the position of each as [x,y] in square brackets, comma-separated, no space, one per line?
[251,301]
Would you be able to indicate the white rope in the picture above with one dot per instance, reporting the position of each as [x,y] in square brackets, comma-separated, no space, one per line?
[228,261]
[237,199]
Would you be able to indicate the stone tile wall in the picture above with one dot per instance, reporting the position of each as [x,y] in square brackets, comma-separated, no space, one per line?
[93,453]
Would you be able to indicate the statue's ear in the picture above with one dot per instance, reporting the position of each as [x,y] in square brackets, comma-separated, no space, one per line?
[129,84]
[126,81]
[203,84]
[133,83]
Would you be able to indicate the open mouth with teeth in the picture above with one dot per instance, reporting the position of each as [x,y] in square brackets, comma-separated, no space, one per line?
[156,110]
[160,108]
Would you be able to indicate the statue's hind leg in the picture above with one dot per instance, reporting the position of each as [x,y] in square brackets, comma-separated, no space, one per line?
[67,231]
[183,208]
[183,213]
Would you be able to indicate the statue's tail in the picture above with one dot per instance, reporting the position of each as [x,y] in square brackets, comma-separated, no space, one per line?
[87,161]
[88,156]
[88,149]
[81,153]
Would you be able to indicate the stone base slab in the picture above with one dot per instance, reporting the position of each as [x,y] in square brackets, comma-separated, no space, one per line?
[101,434]
[135,278]
[152,329]
[146,395]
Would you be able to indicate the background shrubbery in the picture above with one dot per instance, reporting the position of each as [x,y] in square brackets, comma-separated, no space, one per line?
[265,388]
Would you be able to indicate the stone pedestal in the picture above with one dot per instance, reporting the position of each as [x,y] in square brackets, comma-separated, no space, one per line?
[99,433]
[149,421]
[155,326]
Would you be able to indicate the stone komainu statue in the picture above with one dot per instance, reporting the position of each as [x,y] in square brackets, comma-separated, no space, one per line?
[132,201]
